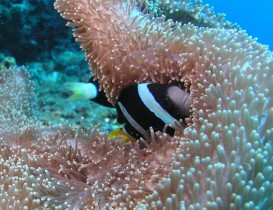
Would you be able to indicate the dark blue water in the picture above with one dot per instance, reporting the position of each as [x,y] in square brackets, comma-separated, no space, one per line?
[256,17]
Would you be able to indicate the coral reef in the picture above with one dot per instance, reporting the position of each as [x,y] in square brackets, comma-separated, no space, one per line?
[18,100]
[54,106]
[25,25]
[184,12]
[6,62]
[222,160]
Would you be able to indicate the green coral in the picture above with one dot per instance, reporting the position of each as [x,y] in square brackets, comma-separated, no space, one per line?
[188,11]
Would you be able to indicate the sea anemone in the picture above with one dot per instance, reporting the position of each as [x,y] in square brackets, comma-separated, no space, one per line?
[229,73]
[223,159]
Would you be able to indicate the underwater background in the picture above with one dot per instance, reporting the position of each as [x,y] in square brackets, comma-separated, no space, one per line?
[223,160]
[253,16]
[34,35]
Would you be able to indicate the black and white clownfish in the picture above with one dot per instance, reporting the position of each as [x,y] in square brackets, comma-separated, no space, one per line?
[141,106]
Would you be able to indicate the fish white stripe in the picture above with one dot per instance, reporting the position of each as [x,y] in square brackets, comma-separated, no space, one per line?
[150,102]
[132,121]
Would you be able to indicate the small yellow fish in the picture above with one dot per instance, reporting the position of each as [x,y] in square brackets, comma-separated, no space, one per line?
[119,133]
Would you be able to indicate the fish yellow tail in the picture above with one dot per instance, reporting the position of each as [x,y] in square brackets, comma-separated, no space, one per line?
[119,133]
[81,91]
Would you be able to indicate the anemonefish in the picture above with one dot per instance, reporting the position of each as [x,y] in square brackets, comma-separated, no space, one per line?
[142,106]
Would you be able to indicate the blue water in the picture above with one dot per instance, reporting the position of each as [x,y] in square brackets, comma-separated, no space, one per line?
[256,17]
